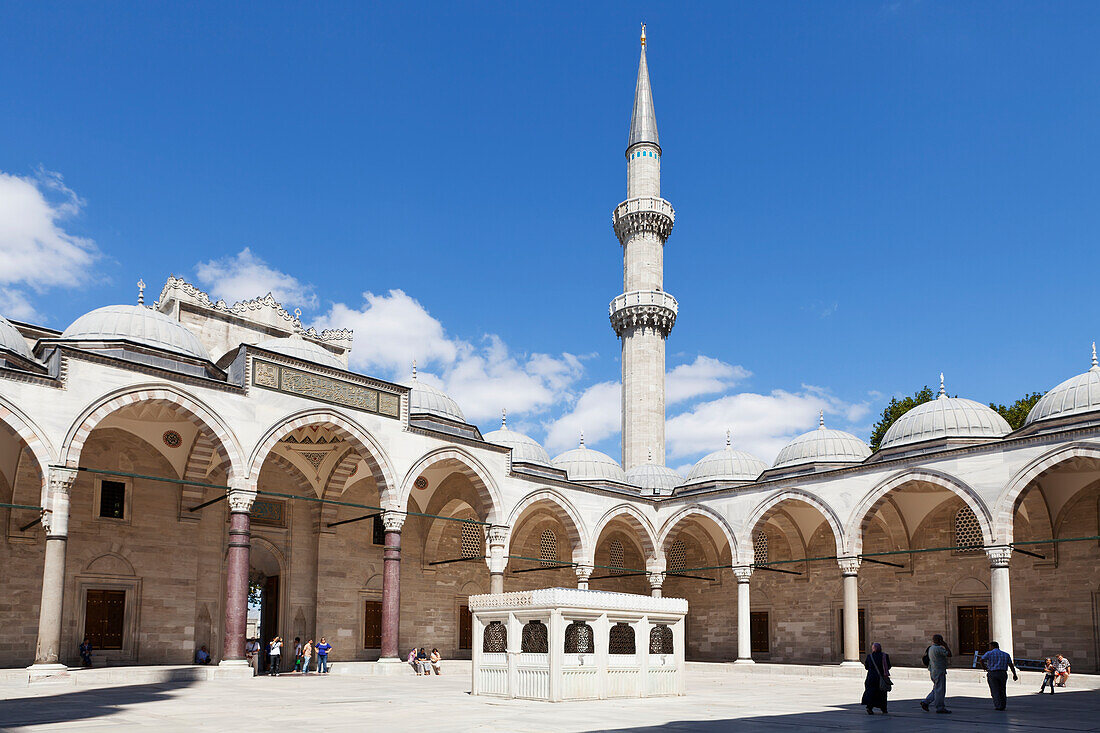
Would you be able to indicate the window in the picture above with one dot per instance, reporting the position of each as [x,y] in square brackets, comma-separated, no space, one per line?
[579,639]
[548,548]
[535,638]
[112,499]
[620,640]
[677,556]
[968,533]
[760,548]
[494,639]
[759,632]
[472,544]
[378,532]
[104,613]
[372,624]
[660,640]
[615,551]
[465,628]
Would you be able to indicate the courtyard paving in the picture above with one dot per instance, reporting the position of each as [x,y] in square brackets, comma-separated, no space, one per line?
[718,699]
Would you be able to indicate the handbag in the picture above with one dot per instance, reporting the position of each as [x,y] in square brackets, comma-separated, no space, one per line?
[926,660]
[884,682]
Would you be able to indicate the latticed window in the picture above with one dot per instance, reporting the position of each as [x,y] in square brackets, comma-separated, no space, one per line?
[535,638]
[660,640]
[548,547]
[471,540]
[495,638]
[677,556]
[617,555]
[579,639]
[620,640]
[760,548]
[968,533]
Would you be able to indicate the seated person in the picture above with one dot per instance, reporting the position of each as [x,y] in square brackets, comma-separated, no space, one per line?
[86,653]
[1061,670]
[202,656]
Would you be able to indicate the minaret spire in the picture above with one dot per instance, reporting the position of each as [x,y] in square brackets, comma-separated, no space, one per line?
[643,122]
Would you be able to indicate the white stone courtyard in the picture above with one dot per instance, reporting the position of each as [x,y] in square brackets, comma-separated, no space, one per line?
[720,697]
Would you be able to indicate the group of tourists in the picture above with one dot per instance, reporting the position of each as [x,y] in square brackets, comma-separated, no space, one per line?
[303,655]
[996,662]
[423,663]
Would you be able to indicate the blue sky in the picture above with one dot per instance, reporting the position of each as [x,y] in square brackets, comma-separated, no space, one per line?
[866,193]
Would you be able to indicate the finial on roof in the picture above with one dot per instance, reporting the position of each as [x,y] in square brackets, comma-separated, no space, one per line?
[943,390]
[643,120]
[504,418]
[1094,364]
[650,458]
[821,419]
[414,370]
[727,437]
[643,34]
[141,292]
[582,439]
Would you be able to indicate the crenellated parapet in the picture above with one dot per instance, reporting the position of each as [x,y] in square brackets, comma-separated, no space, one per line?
[643,309]
[643,215]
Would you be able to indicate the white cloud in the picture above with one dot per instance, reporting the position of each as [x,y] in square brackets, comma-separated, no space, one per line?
[35,251]
[596,413]
[703,376]
[245,276]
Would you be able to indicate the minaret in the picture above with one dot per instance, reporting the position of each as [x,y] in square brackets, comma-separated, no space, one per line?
[644,314]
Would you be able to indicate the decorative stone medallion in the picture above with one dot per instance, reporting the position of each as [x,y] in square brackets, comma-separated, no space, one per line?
[421,483]
[172,439]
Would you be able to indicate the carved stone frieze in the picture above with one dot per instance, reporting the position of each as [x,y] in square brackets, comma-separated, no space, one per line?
[577,598]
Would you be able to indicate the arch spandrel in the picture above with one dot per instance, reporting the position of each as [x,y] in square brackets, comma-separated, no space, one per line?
[763,510]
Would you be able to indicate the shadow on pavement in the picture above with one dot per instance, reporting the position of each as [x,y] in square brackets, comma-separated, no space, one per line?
[83,704]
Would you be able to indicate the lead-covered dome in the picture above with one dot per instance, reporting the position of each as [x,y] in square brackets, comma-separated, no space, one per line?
[1071,397]
[727,464]
[138,324]
[13,341]
[585,464]
[823,445]
[524,449]
[300,348]
[650,476]
[424,398]
[945,417]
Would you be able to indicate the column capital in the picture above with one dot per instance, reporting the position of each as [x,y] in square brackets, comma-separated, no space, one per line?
[999,557]
[498,534]
[656,580]
[743,573]
[848,565]
[584,572]
[393,520]
[240,501]
[62,479]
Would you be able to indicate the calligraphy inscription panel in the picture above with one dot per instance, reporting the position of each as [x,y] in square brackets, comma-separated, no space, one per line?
[315,386]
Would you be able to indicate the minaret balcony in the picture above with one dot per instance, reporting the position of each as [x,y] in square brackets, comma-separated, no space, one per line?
[643,214]
[643,308]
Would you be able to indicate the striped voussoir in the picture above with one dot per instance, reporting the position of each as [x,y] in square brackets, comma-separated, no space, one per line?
[1006,506]
[462,463]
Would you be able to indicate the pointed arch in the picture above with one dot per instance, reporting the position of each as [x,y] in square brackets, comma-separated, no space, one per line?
[33,436]
[940,479]
[765,508]
[566,513]
[704,512]
[467,465]
[1005,509]
[640,523]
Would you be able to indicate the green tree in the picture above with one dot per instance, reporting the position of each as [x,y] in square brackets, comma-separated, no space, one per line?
[1016,413]
[894,410]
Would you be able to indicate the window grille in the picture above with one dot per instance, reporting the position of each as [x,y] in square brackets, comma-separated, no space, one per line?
[968,533]
[495,638]
[472,543]
[660,640]
[548,548]
[677,556]
[579,639]
[534,640]
[378,532]
[112,499]
[620,640]
[617,556]
[760,548]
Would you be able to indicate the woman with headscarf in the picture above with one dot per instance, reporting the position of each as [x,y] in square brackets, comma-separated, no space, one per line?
[877,684]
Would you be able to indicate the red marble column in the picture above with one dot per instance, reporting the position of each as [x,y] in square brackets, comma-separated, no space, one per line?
[391,584]
[236,585]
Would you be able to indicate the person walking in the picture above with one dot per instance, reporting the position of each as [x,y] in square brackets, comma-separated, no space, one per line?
[322,656]
[307,656]
[878,683]
[251,650]
[935,658]
[274,654]
[1048,676]
[436,661]
[996,663]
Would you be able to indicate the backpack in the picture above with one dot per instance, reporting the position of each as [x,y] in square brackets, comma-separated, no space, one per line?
[925,660]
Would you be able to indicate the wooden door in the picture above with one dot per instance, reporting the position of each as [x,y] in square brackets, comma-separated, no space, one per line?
[104,615]
[465,628]
[372,624]
[759,632]
[973,630]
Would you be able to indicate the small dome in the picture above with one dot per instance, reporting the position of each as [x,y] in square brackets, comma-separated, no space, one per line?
[585,464]
[12,340]
[138,324]
[524,449]
[823,445]
[945,417]
[657,478]
[1071,397]
[424,398]
[300,348]
[727,465]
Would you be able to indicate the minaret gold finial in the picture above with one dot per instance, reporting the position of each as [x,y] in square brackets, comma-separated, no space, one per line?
[141,291]
[643,35]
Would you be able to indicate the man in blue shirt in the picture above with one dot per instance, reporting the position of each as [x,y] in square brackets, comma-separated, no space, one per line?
[997,663]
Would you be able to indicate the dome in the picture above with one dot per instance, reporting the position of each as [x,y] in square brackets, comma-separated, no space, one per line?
[300,348]
[585,464]
[727,465]
[524,449]
[945,417]
[1071,397]
[424,398]
[138,324]
[823,445]
[651,476]
[13,341]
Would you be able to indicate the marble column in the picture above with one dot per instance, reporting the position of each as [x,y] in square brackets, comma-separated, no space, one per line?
[744,615]
[849,569]
[656,580]
[497,558]
[584,572]
[1001,609]
[55,520]
[236,577]
[391,585]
